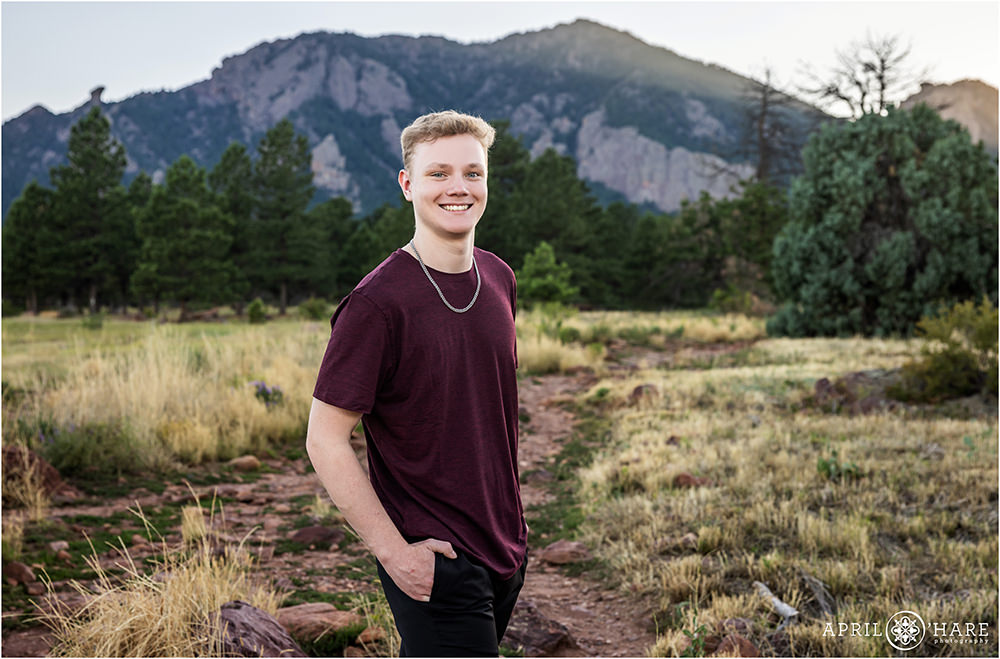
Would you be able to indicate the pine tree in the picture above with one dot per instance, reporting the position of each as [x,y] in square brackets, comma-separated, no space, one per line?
[333,217]
[283,187]
[232,182]
[894,216]
[542,279]
[186,241]
[91,208]
[26,276]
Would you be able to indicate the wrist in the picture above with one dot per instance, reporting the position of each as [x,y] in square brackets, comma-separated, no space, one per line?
[387,552]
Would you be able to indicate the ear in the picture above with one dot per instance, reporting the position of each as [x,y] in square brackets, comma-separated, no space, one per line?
[404,185]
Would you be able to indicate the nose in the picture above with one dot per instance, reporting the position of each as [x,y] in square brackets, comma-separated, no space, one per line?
[458,187]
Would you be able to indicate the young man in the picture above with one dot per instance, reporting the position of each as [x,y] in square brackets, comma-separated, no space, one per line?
[423,351]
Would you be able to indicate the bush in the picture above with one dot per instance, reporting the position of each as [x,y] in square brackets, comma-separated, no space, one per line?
[731,300]
[892,214]
[315,309]
[959,358]
[257,312]
[542,279]
[569,334]
[95,449]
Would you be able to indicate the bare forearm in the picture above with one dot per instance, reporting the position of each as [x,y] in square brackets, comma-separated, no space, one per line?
[344,479]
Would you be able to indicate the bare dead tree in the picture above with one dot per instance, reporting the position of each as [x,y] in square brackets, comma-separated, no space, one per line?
[770,137]
[868,77]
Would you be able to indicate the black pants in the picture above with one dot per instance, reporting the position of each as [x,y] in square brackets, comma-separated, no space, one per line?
[467,615]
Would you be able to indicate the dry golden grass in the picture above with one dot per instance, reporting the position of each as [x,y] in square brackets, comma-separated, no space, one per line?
[13,537]
[193,526]
[912,524]
[162,611]
[694,326]
[25,490]
[183,395]
[376,613]
[540,354]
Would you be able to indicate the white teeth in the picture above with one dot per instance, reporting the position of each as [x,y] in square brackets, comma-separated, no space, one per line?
[456,207]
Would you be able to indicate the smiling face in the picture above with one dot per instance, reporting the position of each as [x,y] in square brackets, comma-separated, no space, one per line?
[446,182]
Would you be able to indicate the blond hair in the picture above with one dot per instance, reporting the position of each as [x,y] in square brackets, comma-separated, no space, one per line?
[430,127]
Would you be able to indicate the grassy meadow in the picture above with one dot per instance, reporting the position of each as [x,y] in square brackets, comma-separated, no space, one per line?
[886,511]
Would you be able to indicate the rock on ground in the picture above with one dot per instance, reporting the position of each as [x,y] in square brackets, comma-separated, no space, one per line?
[250,632]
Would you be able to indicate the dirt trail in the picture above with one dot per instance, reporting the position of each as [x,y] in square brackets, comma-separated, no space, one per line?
[601,621]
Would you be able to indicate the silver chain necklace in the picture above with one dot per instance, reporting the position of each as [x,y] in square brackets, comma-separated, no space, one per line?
[479,281]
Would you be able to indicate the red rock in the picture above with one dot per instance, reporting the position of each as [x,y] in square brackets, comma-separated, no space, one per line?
[318,535]
[307,622]
[64,556]
[565,551]
[57,545]
[245,463]
[537,636]
[642,392]
[139,539]
[35,588]
[250,632]
[17,460]
[19,572]
[351,651]
[734,645]
[689,540]
[687,480]
[741,625]
[371,635]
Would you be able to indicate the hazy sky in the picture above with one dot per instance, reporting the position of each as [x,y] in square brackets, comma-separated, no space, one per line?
[54,53]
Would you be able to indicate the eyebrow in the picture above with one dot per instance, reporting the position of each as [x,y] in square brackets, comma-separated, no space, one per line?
[442,165]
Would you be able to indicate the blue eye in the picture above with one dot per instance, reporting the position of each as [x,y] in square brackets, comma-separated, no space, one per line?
[475,174]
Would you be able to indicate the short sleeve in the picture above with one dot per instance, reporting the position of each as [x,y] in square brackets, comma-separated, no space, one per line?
[358,357]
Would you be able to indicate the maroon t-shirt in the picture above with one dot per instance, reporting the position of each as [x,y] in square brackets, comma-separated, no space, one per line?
[438,393]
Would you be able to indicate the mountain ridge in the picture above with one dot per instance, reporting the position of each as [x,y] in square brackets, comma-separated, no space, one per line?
[582,88]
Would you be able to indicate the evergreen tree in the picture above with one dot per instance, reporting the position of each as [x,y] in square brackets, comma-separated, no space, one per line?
[91,208]
[283,187]
[186,241]
[501,230]
[892,217]
[231,180]
[26,276]
[333,217]
[541,279]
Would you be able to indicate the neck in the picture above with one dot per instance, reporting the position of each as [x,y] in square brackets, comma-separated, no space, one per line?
[444,255]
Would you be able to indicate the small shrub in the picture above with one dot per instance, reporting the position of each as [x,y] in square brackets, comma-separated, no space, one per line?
[67,312]
[315,309]
[836,470]
[599,333]
[257,312]
[568,335]
[959,358]
[731,300]
[97,449]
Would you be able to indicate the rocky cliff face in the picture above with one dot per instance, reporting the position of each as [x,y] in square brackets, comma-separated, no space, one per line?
[971,103]
[641,121]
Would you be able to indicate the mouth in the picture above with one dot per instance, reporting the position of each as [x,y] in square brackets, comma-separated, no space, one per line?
[456,208]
